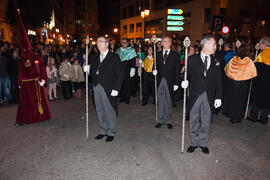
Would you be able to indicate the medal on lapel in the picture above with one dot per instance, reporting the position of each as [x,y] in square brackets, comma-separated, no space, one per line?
[97,73]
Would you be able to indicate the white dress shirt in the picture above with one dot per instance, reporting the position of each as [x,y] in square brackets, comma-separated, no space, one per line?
[103,55]
[208,59]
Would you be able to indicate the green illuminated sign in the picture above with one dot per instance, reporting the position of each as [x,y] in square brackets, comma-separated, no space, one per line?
[169,17]
[173,28]
[175,23]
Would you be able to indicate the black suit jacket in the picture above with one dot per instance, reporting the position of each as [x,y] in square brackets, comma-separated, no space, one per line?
[170,70]
[198,83]
[110,75]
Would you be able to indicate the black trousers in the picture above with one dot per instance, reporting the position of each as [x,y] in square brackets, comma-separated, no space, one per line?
[126,85]
[254,111]
[148,86]
[67,89]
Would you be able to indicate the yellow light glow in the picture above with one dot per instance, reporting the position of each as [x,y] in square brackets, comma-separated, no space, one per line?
[142,14]
[115,30]
[146,12]
[57,30]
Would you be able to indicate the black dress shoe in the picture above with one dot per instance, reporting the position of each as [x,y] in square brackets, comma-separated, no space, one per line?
[109,138]
[100,136]
[18,124]
[169,126]
[232,121]
[143,104]
[158,125]
[191,149]
[205,150]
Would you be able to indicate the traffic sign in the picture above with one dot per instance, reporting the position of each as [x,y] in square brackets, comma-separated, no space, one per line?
[169,17]
[174,28]
[175,23]
[175,11]
[225,29]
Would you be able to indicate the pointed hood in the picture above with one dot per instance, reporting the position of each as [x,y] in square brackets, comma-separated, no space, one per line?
[25,44]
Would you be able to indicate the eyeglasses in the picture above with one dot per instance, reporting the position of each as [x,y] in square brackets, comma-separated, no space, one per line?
[100,41]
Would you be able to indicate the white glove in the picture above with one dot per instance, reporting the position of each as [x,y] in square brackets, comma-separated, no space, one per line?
[42,82]
[217,103]
[86,68]
[66,76]
[175,87]
[140,61]
[132,72]
[114,93]
[139,72]
[154,72]
[184,84]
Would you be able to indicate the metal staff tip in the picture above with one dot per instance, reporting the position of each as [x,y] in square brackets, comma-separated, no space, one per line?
[186,42]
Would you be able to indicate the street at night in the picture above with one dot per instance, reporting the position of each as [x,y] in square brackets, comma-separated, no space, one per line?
[134,90]
[57,149]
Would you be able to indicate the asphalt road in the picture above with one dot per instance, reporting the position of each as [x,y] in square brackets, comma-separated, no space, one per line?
[57,149]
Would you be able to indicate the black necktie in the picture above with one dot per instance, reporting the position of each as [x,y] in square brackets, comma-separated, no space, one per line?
[165,56]
[205,65]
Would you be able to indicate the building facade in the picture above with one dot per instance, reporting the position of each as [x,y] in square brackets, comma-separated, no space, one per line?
[246,19]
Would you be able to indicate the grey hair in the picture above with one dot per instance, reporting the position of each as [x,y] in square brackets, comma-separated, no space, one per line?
[205,39]
[266,41]
[107,40]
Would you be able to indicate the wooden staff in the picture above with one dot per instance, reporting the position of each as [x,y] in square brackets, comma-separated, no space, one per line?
[246,112]
[186,44]
[86,85]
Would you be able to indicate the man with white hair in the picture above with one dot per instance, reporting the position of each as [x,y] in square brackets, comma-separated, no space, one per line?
[107,75]
[205,92]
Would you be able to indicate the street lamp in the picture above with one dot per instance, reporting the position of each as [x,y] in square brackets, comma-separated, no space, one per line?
[144,14]
[115,30]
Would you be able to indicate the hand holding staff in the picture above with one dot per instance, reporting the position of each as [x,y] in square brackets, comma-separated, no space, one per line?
[154,39]
[140,69]
[186,44]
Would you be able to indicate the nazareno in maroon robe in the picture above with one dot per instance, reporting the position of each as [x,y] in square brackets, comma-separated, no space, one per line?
[33,104]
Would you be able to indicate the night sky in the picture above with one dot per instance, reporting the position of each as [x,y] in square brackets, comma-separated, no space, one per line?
[108,15]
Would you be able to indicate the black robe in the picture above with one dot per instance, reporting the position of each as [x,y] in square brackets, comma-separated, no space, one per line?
[110,75]
[170,70]
[235,98]
[260,93]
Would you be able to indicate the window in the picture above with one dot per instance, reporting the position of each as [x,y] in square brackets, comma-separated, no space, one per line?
[187,17]
[124,13]
[1,34]
[131,28]
[207,14]
[125,28]
[139,27]
[131,11]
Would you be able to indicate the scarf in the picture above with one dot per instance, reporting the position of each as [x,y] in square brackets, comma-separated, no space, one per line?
[240,69]
[264,57]
[148,63]
[126,54]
